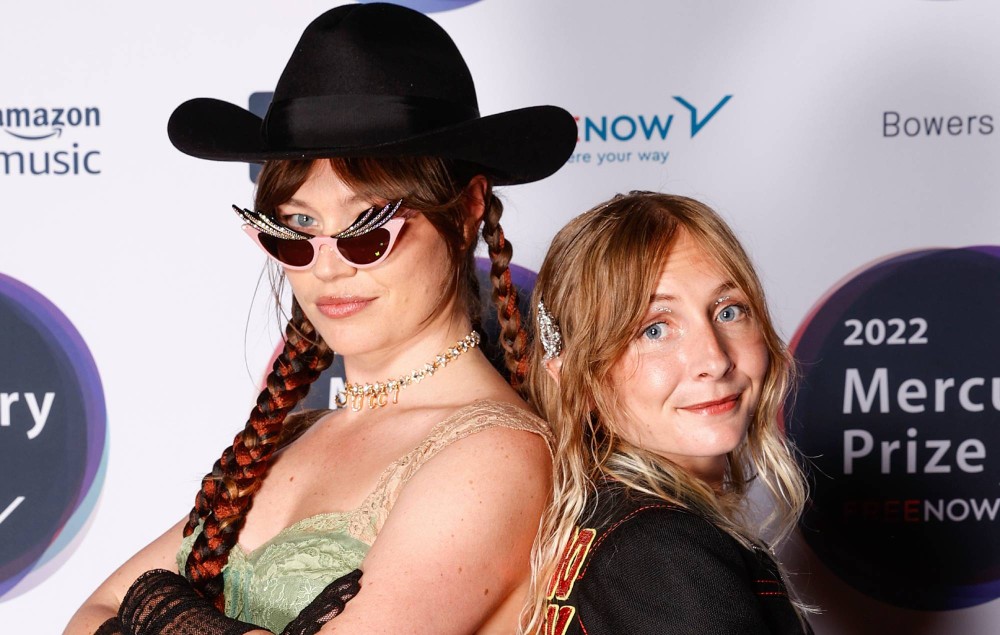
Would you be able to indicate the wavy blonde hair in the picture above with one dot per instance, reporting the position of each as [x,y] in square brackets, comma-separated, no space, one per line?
[596,281]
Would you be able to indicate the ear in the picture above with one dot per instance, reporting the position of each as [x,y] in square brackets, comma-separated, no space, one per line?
[553,367]
[475,206]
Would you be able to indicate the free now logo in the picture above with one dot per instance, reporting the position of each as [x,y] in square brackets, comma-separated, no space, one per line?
[35,130]
[647,128]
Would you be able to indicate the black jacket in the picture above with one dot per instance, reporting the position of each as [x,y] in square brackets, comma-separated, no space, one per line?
[645,567]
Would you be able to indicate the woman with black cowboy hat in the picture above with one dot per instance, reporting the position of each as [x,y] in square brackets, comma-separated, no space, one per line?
[432,475]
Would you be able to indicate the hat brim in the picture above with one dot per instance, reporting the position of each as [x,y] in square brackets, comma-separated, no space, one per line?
[517,146]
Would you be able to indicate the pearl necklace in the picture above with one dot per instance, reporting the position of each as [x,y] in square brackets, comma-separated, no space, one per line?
[377,395]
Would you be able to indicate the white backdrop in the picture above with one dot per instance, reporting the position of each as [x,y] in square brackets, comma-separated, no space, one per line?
[148,263]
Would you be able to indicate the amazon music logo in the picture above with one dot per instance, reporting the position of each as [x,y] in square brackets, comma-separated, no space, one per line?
[48,141]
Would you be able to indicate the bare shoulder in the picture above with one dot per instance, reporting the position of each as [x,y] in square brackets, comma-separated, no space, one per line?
[494,468]
[490,467]
[456,545]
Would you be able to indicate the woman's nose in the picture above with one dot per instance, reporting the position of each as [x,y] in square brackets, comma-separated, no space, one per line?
[708,353]
[329,264]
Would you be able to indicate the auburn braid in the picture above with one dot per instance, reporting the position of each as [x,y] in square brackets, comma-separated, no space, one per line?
[227,491]
[513,337]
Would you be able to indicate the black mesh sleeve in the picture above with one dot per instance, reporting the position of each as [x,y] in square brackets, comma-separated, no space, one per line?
[327,605]
[161,602]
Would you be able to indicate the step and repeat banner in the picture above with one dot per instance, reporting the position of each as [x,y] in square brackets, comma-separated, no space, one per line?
[853,145]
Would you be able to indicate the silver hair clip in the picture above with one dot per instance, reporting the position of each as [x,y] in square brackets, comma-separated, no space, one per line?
[371,218]
[548,332]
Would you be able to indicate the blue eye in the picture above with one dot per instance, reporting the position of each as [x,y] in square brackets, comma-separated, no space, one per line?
[655,331]
[299,221]
[732,313]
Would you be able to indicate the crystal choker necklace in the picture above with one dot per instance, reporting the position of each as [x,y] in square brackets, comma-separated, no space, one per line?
[378,394]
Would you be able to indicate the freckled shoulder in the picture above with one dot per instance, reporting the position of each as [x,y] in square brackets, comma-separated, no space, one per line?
[464,422]
[484,414]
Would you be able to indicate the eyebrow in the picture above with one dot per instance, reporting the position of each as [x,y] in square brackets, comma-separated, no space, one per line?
[719,290]
[294,202]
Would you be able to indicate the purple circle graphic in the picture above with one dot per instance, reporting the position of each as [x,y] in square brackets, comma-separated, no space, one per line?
[53,434]
[898,412]
[428,6]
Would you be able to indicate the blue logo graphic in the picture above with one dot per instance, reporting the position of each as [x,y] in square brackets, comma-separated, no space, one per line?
[53,437]
[641,137]
[258,105]
[428,6]
[898,410]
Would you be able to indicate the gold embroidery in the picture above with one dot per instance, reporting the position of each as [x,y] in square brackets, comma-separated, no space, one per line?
[572,561]
[557,619]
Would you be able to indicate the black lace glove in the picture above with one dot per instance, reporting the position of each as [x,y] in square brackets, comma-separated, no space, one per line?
[111,627]
[161,602]
[328,604]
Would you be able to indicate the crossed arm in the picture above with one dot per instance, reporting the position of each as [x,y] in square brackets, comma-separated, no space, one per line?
[453,552]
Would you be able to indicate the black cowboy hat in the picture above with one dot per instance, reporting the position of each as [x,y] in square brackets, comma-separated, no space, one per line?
[378,80]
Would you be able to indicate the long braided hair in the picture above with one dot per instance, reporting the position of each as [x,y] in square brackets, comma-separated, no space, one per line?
[438,189]
[227,491]
[513,337]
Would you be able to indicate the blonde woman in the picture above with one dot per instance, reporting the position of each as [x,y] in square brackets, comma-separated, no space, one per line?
[659,369]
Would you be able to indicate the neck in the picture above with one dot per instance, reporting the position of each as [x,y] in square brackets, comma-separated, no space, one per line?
[376,377]
[378,394]
[433,337]
[712,470]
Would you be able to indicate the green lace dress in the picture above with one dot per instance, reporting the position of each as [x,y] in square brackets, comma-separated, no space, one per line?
[270,585]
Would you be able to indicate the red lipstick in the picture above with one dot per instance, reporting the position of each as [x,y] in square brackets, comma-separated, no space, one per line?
[719,406]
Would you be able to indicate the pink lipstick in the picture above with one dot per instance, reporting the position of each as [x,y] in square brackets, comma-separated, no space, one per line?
[342,307]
